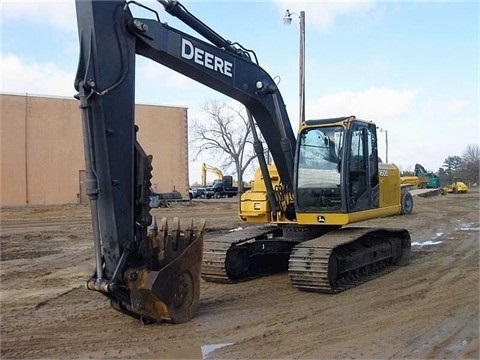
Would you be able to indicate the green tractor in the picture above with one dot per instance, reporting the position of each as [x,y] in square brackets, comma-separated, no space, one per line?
[432,180]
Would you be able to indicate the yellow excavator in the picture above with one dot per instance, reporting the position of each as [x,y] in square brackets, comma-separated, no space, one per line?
[209,168]
[323,180]
[337,181]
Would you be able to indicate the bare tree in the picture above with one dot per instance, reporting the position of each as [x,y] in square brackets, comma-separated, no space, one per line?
[470,165]
[467,166]
[226,134]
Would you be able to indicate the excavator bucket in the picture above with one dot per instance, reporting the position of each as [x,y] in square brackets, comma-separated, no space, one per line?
[172,292]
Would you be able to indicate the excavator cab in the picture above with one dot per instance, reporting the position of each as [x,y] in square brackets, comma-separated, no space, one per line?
[338,179]
[337,167]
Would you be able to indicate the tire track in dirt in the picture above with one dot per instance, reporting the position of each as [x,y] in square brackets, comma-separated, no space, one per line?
[428,309]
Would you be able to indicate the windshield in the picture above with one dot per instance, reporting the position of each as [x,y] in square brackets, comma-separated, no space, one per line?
[319,161]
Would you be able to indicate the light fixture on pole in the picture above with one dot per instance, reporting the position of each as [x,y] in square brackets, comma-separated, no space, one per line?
[287,19]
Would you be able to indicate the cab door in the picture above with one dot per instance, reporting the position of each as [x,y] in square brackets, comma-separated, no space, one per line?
[362,168]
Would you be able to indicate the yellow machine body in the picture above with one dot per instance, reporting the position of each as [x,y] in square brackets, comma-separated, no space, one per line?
[457,187]
[337,180]
[255,207]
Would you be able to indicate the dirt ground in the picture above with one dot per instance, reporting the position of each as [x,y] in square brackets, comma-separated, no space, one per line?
[428,309]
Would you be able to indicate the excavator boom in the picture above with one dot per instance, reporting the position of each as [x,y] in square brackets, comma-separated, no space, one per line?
[206,168]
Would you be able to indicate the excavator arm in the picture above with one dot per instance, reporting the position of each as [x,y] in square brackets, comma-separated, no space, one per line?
[213,169]
[110,37]
[148,271]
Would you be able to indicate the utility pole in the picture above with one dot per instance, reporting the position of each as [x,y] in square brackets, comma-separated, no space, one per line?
[287,19]
[302,68]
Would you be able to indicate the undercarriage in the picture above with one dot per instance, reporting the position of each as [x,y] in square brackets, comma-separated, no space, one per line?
[320,260]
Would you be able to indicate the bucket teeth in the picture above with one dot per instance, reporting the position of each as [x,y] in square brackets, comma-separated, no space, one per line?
[172,292]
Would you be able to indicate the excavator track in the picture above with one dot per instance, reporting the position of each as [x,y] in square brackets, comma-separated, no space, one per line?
[245,254]
[347,257]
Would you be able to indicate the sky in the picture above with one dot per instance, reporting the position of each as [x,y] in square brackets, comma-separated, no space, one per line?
[412,67]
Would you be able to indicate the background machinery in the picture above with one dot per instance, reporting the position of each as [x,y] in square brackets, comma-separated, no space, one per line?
[422,179]
[432,180]
[323,180]
[456,187]
[208,168]
[221,188]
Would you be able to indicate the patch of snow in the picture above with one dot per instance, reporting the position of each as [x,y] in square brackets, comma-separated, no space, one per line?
[207,349]
[426,243]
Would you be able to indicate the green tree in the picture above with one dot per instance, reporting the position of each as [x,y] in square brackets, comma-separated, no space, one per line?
[451,164]
[444,177]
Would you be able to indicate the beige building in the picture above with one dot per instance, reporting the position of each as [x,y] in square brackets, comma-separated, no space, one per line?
[41,152]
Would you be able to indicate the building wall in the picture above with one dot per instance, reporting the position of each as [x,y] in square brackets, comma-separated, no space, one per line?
[42,156]
[164,134]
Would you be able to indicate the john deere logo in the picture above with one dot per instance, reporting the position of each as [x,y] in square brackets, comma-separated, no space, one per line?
[321,219]
[204,58]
